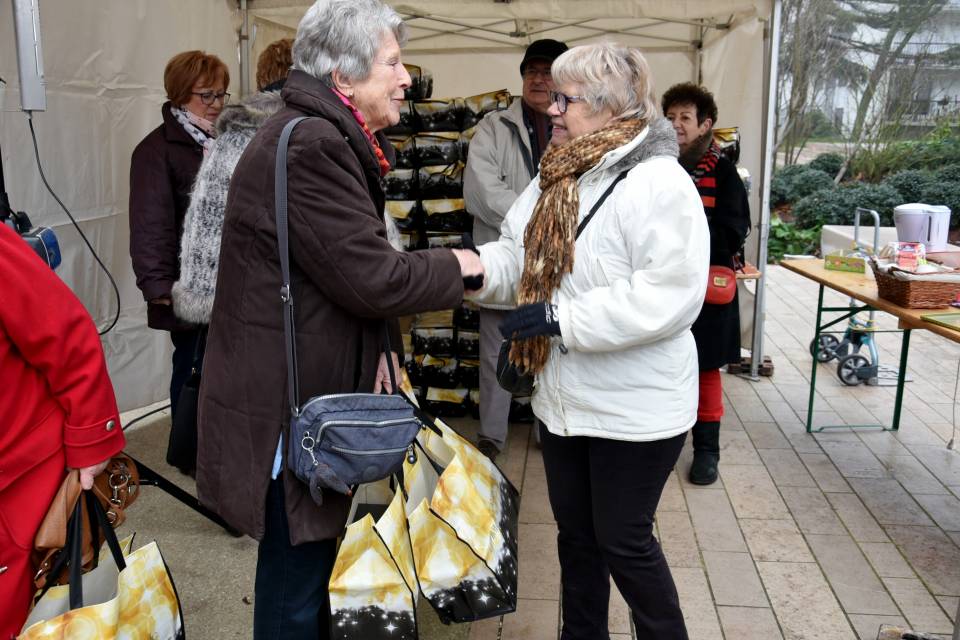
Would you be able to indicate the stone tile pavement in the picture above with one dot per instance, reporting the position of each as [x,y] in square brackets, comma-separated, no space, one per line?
[805,536]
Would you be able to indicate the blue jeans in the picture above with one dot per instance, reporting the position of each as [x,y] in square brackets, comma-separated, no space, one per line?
[290,594]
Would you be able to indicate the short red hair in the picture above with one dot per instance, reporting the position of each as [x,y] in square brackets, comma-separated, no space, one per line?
[186,69]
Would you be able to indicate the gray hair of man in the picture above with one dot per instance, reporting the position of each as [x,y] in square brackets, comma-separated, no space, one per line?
[609,76]
[344,36]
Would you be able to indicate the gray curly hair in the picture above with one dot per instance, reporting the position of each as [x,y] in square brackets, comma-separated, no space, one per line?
[344,36]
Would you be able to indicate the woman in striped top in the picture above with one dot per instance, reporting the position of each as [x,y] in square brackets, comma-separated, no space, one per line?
[692,111]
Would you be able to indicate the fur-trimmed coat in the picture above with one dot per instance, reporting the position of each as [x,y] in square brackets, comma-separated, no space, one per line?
[203,224]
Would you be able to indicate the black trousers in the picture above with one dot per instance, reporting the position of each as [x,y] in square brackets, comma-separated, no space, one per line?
[604,494]
[290,593]
[184,348]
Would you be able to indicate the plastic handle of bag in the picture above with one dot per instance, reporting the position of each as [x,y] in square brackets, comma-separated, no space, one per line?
[73,549]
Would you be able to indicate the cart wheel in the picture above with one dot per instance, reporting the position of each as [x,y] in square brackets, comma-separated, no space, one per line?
[848,366]
[828,344]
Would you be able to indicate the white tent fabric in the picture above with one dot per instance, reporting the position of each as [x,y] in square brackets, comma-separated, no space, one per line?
[104,63]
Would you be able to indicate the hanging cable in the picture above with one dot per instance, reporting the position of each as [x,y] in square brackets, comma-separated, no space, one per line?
[146,415]
[83,236]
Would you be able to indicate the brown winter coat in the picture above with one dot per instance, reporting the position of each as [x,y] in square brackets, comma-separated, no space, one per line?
[346,281]
[162,170]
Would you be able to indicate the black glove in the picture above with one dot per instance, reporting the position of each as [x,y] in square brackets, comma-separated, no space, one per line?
[534,319]
[471,283]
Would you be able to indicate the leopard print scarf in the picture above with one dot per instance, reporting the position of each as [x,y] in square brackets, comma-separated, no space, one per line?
[550,236]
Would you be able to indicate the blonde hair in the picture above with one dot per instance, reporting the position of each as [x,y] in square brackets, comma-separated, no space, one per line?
[610,76]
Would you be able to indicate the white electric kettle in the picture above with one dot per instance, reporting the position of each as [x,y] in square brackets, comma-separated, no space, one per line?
[918,222]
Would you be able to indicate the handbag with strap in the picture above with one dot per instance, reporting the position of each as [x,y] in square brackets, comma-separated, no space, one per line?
[341,440]
[721,285]
[115,489]
[511,377]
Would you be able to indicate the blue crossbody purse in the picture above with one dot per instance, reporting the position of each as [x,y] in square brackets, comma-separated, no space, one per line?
[340,440]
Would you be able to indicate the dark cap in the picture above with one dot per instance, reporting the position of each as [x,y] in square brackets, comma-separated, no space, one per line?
[548,50]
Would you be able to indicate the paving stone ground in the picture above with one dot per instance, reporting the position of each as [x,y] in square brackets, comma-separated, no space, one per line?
[828,535]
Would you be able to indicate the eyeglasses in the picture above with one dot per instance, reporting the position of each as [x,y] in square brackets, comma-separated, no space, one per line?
[209,97]
[530,72]
[563,100]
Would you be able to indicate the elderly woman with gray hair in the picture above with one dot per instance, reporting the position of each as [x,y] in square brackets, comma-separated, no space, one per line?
[606,254]
[347,281]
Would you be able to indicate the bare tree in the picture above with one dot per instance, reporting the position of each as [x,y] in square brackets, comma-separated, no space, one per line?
[885,29]
[811,57]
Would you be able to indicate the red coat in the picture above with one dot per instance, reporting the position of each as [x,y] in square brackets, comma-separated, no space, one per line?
[57,405]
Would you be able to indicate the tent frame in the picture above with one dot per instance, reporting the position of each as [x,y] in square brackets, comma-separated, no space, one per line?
[771,38]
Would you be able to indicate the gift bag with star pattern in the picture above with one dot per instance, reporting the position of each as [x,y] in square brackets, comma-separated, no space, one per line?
[462,514]
[373,587]
[128,596]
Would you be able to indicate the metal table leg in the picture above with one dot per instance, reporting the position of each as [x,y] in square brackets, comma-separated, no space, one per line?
[901,378]
[816,351]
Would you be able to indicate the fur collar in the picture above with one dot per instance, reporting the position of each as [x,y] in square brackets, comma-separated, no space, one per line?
[690,158]
[249,113]
[660,140]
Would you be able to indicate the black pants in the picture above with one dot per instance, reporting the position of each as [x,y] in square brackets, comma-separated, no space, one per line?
[184,349]
[604,494]
[290,593]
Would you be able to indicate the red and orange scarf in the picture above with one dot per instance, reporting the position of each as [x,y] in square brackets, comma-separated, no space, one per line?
[381,159]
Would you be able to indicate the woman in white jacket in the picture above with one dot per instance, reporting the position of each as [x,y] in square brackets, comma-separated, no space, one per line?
[604,322]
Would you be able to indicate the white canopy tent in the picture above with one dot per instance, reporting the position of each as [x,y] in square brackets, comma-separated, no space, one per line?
[104,62]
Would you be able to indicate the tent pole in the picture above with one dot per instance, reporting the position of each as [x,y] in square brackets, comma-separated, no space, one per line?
[773,53]
[244,49]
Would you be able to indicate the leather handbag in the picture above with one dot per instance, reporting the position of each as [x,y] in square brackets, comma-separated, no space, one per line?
[182,444]
[115,489]
[341,440]
[510,377]
[721,285]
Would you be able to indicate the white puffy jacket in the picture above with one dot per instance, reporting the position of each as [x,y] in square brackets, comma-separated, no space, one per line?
[629,367]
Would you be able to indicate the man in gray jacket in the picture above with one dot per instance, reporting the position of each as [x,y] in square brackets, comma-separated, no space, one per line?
[504,157]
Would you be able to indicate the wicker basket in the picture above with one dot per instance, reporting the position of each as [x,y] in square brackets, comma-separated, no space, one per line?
[914,294]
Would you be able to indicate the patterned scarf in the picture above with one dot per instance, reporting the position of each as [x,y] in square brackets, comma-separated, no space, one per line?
[200,129]
[381,159]
[708,162]
[550,236]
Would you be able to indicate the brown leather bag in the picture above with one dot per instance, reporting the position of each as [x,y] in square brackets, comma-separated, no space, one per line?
[116,489]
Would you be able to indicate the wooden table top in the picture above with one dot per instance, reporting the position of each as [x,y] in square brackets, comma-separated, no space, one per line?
[863,287]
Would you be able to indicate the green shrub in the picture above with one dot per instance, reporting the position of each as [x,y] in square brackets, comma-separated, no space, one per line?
[837,205]
[910,184]
[796,181]
[950,173]
[787,237]
[829,163]
[782,183]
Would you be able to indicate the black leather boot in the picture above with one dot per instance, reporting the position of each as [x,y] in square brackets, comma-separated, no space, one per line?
[706,452]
